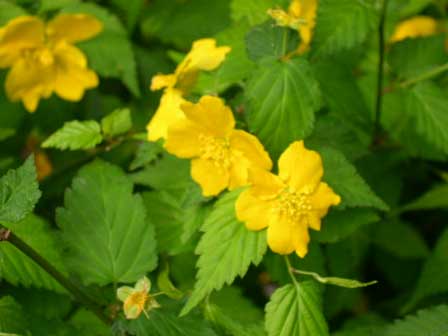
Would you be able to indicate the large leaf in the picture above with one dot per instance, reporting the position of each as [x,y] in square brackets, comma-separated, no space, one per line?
[296,309]
[254,11]
[18,269]
[283,97]
[116,123]
[75,135]
[12,318]
[226,250]
[435,198]
[105,227]
[19,192]
[341,24]
[342,176]
[427,105]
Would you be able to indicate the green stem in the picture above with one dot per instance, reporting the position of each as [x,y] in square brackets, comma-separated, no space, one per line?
[427,75]
[78,294]
[290,270]
[379,89]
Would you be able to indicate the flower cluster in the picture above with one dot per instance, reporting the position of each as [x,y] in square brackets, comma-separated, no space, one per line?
[44,60]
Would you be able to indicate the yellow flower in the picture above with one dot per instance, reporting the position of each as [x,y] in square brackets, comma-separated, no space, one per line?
[43,60]
[290,203]
[418,26]
[204,55]
[301,15]
[137,299]
[221,155]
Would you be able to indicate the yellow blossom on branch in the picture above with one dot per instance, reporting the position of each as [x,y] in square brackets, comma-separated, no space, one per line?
[301,15]
[290,203]
[418,26]
[43,59]
[137,299]
[221,155]
[204,55]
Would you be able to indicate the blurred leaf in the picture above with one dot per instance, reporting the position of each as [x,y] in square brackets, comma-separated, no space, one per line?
[267,40]
[12,319]
[255,11]
[146,153]
[101,203]
[6,133]
[341,25]
[8,11]
[296,309]
[435,198]
[165,285]
[226,240]
[132,10]
[50,5]
[87,323]
[75,135]
[116,123]
[282,98]
[19,192]
[18,269]
[342,176]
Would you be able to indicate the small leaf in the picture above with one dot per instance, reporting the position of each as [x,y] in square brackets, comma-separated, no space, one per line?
[226,250]
[145,154]
[116,123]
[75,135]
[165,285]
[296,309]
[19,192]
[436,198]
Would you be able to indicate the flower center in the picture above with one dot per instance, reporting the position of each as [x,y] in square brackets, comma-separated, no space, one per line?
[293,205]
[45,57]
[215,149]
[137,299]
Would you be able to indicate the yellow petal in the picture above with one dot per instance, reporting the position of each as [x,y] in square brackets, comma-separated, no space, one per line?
[183,139]
[143,285]
[212,178]
[72,76]
[301,239]
[211,114]
[308,13]
[24,32]
[280,235]
[254,212]
[204,55]
[417,26]
[132,311]
[265,185]
[251,148]
[73,27]
[322,198]
[239,171]
[300,168]
[124,292]
[163,81]
[168,113]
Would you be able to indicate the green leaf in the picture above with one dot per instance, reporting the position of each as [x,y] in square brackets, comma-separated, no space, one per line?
[433,279]
[110,52]
[75,135]
[131,9]
[270,41]
[50,5]
[427,53]
[145,154]
[296,309]
[165,284]
[12,318]
[342,176]
[226,250]
[427,105]
[6,133]
[19,192]
[9,11]
[18,269]
[282,97]
[341,25]
[116,123]
[428,322]
[255,11]
[105,227]
[436,198]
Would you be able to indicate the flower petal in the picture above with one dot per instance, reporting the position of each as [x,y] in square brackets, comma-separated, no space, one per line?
[323,198]
[212,114]
[73,27]
[143,285]
[254,212]
[132,310]
[124,292]
[300,168]
[183,139]
[163,81]
[251,148]
[24,32]
[265,185]
[414,27]
[168,113]
[280,235]
[212,178]
[301,239]
[204,55]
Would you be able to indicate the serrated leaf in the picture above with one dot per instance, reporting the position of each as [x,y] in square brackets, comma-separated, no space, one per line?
[75,135]
[427,105]
[145,154]
[116,123]
[18,269]
[342,176]
[105,227]
[270,41]
[12,318]
[19,192]
[296,309]
[226,250]
[341,25]
[436,198]
[428,322]
[282,99]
